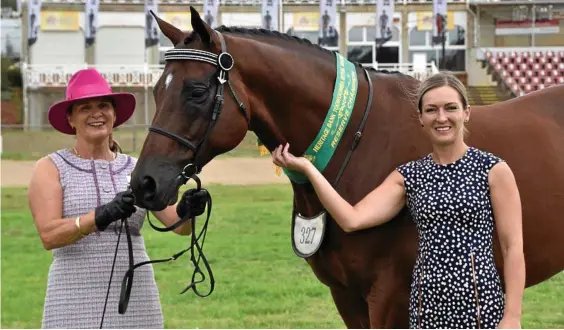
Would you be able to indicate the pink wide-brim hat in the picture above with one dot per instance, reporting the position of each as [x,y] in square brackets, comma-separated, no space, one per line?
[86,84]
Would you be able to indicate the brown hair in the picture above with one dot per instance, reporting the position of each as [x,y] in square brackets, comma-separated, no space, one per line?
[443,78]
[114,146]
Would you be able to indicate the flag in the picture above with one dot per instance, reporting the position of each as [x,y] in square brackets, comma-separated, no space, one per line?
[384,19]
[270,14]
[151,27]
[210,12]
[33,19]
[91,21]
[328,30]
[439,20]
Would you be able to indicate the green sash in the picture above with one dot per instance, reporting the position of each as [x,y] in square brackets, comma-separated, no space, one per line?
[327,140]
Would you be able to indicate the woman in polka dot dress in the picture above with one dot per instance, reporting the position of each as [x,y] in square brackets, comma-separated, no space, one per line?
[454,194]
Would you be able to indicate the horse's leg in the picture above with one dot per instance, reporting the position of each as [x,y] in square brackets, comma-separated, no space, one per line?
[388,302]
[353,309]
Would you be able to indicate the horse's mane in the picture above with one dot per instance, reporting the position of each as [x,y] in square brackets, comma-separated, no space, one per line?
[284,36]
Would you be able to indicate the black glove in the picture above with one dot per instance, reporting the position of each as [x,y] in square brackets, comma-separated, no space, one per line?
[192,203]
[121,207]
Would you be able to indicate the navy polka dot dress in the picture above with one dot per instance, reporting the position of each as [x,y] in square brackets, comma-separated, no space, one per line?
[455,282]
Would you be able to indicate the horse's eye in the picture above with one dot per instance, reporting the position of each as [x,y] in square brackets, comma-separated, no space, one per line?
[198,92]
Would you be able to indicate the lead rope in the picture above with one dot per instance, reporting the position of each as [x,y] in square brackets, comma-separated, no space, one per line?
[194,247]
[111,274]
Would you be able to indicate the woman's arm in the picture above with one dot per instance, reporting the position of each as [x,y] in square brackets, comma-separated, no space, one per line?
[168,217]
[378,207]
[506,205]
[45,196]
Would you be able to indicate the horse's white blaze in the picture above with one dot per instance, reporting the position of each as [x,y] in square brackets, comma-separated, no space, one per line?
[168,80]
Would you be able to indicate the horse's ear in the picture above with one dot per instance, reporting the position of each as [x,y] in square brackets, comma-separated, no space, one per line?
[174,34]
[200,27]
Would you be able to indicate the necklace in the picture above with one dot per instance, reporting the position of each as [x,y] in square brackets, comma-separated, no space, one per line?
[114,155]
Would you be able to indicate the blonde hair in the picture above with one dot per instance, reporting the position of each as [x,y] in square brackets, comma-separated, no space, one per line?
[443,78]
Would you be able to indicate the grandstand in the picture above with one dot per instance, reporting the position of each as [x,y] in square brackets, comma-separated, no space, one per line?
[526,71]
[499,48]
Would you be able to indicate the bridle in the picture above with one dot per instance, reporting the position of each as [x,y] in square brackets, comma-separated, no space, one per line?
[224,63]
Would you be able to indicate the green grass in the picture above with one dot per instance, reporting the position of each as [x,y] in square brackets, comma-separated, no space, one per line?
[19,145]
[260,283]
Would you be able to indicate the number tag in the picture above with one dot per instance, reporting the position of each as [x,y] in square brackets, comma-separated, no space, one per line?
[307,234]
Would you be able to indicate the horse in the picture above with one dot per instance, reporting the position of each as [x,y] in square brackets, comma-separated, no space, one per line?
[220,83]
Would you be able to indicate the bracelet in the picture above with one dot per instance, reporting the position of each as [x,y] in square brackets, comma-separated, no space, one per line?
[77,223]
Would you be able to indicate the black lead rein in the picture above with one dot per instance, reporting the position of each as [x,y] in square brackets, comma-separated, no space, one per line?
[195,248]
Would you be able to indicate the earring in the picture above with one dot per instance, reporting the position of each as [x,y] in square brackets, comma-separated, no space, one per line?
[422,125]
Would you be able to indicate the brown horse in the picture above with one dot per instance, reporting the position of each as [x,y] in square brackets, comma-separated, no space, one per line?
[280,88]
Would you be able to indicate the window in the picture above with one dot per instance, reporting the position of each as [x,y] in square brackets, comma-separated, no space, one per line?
[356,34]
[457,36]
[417,38]
[520,13]
[163,41]
[431,55]
[361,54]
[455,59]
[543,12]
[371,34]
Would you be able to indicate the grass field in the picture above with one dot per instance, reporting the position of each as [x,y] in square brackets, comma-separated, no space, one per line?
[19,145]
[260,283]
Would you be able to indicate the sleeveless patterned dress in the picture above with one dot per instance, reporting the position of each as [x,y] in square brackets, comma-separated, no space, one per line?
[80,272]
[455,283]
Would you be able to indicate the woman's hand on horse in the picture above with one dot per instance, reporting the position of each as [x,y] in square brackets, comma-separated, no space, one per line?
[283,158]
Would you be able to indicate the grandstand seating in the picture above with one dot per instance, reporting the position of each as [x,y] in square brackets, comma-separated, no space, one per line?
[527,71]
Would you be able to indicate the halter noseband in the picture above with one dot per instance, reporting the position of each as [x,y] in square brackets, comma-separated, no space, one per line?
[224,63]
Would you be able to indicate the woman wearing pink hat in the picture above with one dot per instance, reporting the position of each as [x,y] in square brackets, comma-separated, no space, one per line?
[76,195]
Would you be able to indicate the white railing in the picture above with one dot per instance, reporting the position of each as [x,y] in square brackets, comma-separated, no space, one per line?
[39,76]
[409,69]
[247,2]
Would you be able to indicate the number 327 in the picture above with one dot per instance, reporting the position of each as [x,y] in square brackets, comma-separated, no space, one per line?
[307,235]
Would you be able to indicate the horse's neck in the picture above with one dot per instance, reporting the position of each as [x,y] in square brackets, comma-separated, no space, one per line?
[290,90]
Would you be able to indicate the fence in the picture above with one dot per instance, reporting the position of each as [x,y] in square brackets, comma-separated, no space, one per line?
[42,140]
[17,144]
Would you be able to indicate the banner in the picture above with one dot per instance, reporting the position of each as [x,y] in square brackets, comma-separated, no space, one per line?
[33,19]
[60,20]
[151,26]
[210,12]
[384,18]
[425,21]
[91,21]
[269,14]
[305,21]
[440,19]
[180,19]
[328,30]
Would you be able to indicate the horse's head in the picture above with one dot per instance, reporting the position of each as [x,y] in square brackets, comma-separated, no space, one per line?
[200,113]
